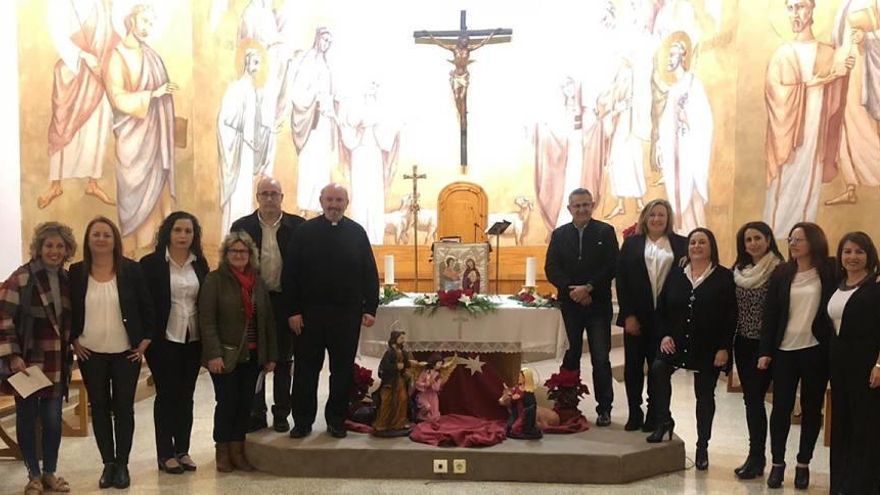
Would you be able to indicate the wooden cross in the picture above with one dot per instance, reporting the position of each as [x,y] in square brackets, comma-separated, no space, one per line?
[461,43]
[414,208]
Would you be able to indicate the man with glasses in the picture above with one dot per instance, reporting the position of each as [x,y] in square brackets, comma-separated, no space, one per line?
[581,259]
[271,229]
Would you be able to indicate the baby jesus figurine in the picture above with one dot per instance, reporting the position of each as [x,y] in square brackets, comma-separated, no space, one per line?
[522,423]
[428,385]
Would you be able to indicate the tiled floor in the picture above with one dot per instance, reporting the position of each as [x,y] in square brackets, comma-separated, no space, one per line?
[80,461]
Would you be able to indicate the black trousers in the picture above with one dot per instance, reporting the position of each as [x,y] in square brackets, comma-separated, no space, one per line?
[809,368]
[282,389]
[755,383]
[598,327]
[704,391]
[234,393]
[638,350]
[337,332]
[111,381]
[855,431]
[175,369]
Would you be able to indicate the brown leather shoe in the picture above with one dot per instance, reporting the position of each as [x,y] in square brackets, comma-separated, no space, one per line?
[224,462]
[236,453]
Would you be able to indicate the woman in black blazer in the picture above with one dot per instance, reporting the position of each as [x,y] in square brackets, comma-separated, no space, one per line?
[795,338]
[112,327]
[642,267]
[174,272]
[697,314]
[854,310]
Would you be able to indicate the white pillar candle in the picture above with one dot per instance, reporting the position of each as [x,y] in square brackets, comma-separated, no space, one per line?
[531,271]
[389,269]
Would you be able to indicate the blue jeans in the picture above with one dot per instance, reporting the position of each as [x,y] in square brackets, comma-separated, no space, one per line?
[598,327]
[27,412]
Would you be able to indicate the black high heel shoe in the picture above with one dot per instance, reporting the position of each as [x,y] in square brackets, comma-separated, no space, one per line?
[751,469]
[661,431]
[777,475]
[802,477]
[701,459]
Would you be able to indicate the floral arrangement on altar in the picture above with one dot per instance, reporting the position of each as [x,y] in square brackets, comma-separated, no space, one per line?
[389,293]
[565,389]
[466,299]
[529,298]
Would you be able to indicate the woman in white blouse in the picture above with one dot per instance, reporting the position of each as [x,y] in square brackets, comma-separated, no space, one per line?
[174,273]
[795,335]
[112,328]
[642,266]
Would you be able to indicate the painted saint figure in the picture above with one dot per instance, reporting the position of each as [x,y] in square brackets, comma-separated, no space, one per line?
[857,32]
[313,122]
[684,146]
[371,147]
[804,91]
[242,138]
[450,274]
[143,123]
[81,116]
[470,279]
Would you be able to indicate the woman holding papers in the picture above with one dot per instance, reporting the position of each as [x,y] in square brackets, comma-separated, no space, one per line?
[35,322]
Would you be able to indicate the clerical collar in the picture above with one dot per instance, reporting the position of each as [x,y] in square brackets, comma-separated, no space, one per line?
[267,224]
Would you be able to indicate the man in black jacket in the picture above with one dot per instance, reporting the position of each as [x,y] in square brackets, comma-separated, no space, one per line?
[333,285]
[271,229]
[580,263]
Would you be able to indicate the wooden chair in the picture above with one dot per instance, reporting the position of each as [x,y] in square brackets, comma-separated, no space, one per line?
[12,450]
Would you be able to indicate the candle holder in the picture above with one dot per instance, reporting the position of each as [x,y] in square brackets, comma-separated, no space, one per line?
[529,289]
[390,287]
[389,293]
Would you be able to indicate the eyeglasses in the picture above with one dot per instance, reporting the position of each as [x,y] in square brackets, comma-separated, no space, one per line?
[588,204]
[796,240]
[269,194]
[240,252]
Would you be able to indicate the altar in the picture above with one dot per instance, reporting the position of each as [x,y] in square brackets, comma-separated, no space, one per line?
[491,347]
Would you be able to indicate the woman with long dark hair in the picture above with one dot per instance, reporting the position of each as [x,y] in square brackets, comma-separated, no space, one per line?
[697,312]
[795,335]
[756,259]
[35,331]
[854,310]
[113,325]
[643,264]
[174,273]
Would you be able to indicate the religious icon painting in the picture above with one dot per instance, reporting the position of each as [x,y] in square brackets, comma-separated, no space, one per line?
[461,266]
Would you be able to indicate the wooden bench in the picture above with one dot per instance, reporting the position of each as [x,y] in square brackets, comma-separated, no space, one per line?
[79,428]
[7,408]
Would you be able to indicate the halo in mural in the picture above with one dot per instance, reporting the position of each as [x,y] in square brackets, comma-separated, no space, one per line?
[161,18]
[241,51]
[823,19]
[662,56]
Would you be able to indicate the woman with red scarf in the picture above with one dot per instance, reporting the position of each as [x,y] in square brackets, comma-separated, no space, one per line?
[235,318]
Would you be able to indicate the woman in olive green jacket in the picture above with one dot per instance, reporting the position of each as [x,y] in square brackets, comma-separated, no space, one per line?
[235,318]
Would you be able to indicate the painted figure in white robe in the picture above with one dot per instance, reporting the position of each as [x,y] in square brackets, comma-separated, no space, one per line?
[371,144]
[313,123]
[143,123]
[804,92]
[684,146]
[259,24]
[625,162]
[82,33]
[857,32]
[243,139]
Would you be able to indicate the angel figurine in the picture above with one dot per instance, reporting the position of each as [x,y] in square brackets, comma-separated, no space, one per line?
[392,411]
[522,406]
[431,377]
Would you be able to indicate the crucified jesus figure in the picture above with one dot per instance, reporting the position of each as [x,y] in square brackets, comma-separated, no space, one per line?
[459,77]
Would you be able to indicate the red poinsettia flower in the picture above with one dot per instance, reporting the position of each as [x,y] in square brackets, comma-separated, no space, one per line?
[526,297]
[363,380]
[449,298]
[629,231]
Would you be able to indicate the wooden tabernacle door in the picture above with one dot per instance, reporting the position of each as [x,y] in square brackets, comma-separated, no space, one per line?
[462,210]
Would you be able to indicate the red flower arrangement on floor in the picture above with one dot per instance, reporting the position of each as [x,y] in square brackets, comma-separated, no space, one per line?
[565,389]
[363,380]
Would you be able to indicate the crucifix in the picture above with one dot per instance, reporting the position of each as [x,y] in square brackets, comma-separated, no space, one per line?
[414,208]
[461,43]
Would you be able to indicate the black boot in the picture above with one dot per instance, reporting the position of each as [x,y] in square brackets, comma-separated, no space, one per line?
[777,474]
[121,478]
[701,459]
[751,469]
[635,421]
[661,431]
[107,475]
[802,477]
